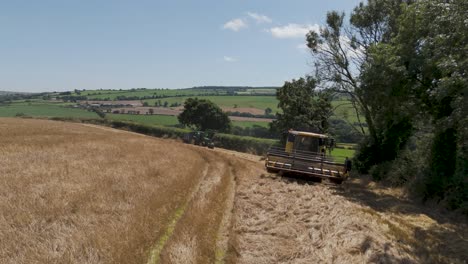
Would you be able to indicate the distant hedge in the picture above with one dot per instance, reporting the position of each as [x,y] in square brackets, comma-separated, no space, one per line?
[258,146]
[252,145]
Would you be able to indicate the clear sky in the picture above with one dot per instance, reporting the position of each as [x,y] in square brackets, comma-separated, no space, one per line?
[58,45]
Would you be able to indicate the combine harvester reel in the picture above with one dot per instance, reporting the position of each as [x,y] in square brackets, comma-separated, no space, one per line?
[308,154]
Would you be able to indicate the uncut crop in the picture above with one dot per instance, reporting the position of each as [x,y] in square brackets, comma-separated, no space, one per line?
[71,193]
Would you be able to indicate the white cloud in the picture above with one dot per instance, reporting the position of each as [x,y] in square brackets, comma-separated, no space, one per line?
[235,24]
[229,59]
[293,30]
[259,17]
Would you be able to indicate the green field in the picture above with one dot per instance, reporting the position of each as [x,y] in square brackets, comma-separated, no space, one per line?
[113,94]
[44,110]
[347,145]
[345,110]
[340,154]
[138,92]
[259,102]
[264,91]
[164,120]
[38,107]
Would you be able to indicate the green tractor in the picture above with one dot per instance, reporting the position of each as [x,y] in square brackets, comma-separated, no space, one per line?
[200,138]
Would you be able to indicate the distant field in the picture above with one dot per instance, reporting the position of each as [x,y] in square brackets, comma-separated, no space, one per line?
[259,102]
[113,94]
[341,154]
[347,145]
[164,120]
[345,110]
[253,104]
[44,110]
[271,91]
[146,119]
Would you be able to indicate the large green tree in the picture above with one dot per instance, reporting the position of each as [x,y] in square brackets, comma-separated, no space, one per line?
[203,115]
[344,63]
[432,47]
[404,66]
[303,107]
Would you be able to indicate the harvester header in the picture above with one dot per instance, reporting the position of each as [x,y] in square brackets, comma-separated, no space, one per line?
[307,153]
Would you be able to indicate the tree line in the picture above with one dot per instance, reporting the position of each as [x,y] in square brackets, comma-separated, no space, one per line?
[403,65]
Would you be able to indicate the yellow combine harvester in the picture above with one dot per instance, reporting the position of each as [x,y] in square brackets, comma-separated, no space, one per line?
[308,153]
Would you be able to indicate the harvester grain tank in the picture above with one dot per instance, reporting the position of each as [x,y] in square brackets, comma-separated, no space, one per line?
[307,153]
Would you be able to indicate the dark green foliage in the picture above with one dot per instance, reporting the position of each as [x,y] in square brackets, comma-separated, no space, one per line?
[244,114]
[457,196]
[254,131]
[243,144]
[344,132]
[409,81]
[432,45]
[99,112]
[303,108]
[366,156]
[204,114]
[441,164]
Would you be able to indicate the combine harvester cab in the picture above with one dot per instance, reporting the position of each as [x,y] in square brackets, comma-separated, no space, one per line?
[308,154]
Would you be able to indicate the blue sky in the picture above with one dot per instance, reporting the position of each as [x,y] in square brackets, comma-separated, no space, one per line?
[111,44]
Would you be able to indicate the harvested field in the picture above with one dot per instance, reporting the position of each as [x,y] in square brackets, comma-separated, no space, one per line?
[287,220]
[74,193]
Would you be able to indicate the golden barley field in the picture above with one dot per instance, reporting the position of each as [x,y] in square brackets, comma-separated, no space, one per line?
[71,193]
[76,193]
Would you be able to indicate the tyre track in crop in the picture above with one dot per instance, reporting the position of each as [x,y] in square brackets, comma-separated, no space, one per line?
[200,228]
[154,255]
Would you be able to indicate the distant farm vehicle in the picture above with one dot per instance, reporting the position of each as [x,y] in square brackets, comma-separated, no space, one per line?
[200,138]
[306,154]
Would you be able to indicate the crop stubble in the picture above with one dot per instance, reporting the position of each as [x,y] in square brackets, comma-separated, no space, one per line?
[72,193]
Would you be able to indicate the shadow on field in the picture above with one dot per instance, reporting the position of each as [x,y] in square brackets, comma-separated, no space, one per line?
[431,234]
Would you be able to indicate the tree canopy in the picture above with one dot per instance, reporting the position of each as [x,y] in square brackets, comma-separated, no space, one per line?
[303,107]
[203,114]
[403,64]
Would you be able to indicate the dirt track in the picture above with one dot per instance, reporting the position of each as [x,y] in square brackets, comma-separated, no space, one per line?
[177,203]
